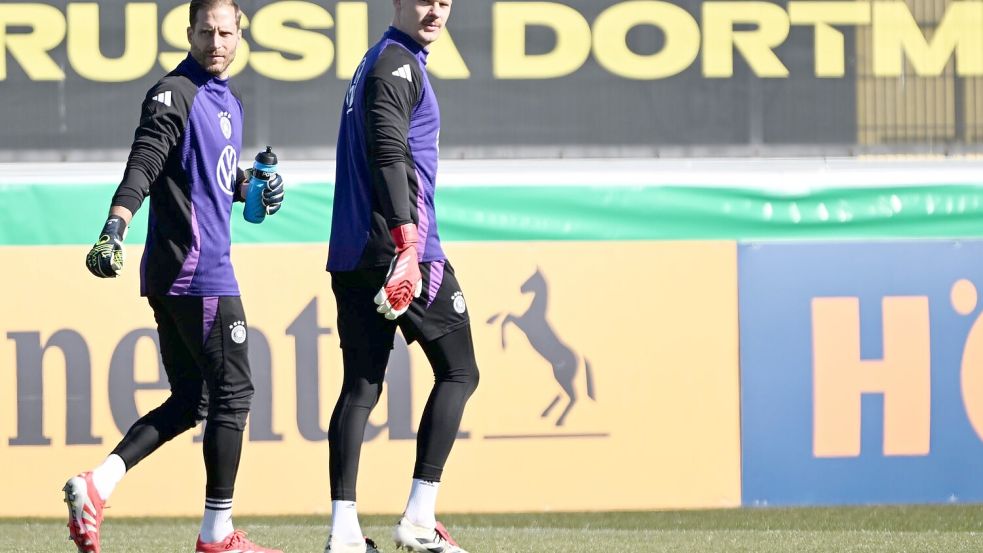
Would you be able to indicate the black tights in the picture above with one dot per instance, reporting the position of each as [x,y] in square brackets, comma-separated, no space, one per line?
[221,447]
[207,374]
[456,376]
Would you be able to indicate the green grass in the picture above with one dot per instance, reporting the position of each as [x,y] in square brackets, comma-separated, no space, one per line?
[897,529]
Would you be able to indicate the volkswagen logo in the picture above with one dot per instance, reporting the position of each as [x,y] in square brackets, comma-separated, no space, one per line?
[225,171]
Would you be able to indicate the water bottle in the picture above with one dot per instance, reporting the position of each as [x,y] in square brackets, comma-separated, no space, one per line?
[264,169]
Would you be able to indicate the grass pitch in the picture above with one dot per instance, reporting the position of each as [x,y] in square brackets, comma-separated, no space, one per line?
[896,529]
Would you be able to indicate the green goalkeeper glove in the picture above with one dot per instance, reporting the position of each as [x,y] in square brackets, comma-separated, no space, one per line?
[105,259]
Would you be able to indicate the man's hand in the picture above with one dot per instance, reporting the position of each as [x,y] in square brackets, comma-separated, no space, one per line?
[403,282]
[273,195]
[105,259]
[272,192]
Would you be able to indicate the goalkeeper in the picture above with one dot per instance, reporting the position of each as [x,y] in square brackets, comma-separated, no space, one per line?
[184,157]
[388,269]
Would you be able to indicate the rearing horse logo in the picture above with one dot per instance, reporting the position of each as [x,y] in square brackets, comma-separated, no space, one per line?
[544,340]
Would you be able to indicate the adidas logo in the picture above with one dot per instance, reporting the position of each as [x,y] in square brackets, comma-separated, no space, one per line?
[404,72]
[164,98]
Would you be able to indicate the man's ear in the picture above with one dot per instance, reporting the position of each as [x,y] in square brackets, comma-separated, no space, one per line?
[189,35]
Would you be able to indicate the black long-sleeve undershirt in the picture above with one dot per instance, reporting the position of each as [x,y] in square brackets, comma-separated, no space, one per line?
[389,101]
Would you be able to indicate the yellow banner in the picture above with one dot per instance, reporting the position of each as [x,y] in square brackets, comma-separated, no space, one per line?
[301,41]
[648,418]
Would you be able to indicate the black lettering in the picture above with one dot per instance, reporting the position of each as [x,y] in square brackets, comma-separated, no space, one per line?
[122,384]
[30,388]
[306,332]
[261,366]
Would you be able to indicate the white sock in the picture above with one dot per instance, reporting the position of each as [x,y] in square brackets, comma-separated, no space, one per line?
[216,523]
[422,505]
[344,523]
[108,474]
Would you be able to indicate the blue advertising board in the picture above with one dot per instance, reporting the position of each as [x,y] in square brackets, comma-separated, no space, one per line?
[861,372]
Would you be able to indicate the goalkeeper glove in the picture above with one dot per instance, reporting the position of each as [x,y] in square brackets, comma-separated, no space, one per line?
[105,259]
[273,195]
[272,192]
[403,282]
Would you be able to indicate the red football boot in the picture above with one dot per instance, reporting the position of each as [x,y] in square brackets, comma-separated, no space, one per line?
[235,542]
[84,512]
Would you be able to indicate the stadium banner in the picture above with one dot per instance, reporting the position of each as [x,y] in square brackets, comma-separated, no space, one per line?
[648,411]
[861,372]
[602,211]
[633,75]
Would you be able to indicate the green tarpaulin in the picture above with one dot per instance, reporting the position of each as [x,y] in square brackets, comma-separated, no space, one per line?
[41,214]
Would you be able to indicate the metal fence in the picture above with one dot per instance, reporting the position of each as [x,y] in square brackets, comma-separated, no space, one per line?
[943,112]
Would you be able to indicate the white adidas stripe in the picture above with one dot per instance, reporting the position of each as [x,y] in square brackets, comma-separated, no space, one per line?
[404,72]
[164,98]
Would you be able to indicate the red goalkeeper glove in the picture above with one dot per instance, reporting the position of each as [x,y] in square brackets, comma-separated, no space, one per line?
[403,282]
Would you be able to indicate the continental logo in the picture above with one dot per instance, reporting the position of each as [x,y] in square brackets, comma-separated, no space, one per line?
[564,361]
[124,385]
[301,41]
[903,374]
